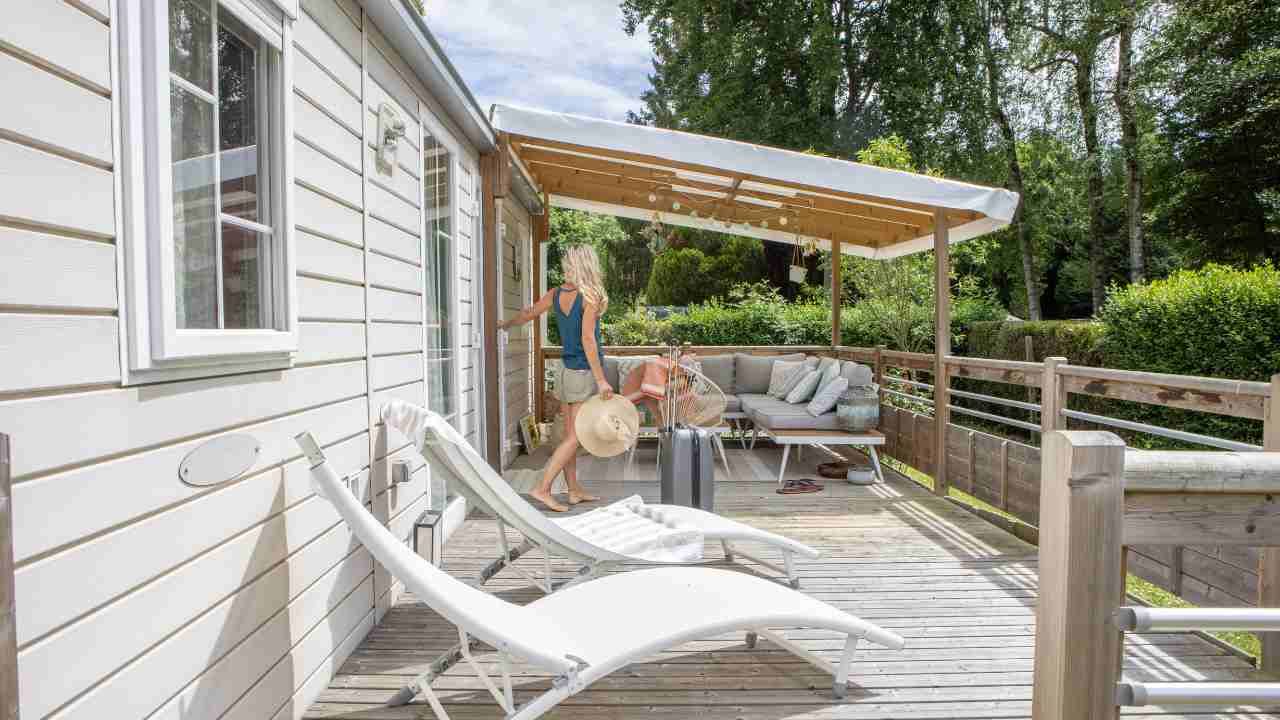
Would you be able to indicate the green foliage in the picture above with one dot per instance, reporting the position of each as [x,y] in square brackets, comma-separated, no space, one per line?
[1217,63]
[888,152]
[1077,340]
[677,278]
[1216,321]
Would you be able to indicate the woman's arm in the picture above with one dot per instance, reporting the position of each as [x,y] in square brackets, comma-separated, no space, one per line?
[529,313]
[591,316]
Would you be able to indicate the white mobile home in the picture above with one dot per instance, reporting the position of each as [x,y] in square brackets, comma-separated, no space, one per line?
[224,222]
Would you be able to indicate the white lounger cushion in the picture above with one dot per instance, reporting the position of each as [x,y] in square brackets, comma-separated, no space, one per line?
[629,527]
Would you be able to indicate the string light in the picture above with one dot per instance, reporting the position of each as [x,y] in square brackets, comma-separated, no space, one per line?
[675,205]
[782,221]
[764,224]
[653,198]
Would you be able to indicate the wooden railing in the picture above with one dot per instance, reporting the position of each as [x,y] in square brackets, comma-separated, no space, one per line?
[8,629]
[1096,500]
[1005,471]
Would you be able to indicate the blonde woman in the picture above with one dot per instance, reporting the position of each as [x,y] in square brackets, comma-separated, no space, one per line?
[578,305]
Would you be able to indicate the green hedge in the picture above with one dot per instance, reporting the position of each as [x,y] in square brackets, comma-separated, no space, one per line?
[1077,340]
[1216,321]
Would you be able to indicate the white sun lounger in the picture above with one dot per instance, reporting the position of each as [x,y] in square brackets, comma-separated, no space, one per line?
[586,632]
[445,449]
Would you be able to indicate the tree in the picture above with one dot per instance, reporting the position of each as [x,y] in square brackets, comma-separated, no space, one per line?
[1216,67]
[1129,140]
[677,278]
[1072,33]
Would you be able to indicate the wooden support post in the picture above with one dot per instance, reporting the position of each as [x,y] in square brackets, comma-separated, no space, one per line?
[1269,560]
[879,366]
[541,231]
[1053,398]
[8,627]
[495,179]
[941,347]
[835,294]
[1029,353]
[1077,661]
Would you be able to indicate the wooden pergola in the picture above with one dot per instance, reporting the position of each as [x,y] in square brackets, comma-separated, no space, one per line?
[705,182]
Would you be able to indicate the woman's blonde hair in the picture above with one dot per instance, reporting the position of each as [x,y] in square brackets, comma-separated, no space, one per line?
[582,268]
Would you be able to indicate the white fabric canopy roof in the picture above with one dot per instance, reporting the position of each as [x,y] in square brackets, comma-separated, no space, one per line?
[603,166]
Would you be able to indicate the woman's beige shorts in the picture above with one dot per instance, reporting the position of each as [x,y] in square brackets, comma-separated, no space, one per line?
[574,386]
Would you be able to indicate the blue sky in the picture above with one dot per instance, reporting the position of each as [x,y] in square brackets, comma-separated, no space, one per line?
[563,55]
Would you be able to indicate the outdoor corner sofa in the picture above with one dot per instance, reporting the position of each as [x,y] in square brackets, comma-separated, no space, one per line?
[744,380]
[586,632]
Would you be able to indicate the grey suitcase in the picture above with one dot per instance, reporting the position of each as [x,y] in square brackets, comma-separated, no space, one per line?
[686,470]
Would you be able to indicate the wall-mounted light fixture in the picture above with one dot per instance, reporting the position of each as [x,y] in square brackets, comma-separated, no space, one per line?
[390,129]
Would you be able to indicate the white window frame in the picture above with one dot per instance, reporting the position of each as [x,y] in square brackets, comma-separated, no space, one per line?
[430,125]
[153,347]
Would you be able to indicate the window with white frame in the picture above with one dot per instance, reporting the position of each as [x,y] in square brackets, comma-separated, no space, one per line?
[205,115]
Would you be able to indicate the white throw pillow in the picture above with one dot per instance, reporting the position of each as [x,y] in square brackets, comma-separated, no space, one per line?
[784,377]
[804,389]
[824,401]
[830,370]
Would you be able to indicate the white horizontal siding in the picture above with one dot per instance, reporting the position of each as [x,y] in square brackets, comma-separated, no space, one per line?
[330,341]
[61,36]
[322,257]
[40,352]
[395,306]
[53,271]
[114,493]
[55,112]
[311,81]
[392,338]
[394,370]
[325,300]
[317,127]
[396,242]
[327,53]
[338,24]
[162,414]
[389,272]
[326,175]
[324,216]
[46,189]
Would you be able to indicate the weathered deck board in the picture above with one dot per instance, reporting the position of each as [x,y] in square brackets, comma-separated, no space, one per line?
[959,589]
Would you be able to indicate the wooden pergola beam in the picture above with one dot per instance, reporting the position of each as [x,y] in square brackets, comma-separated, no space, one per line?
[542,161]
[836,263]
[620,193]
[523,144]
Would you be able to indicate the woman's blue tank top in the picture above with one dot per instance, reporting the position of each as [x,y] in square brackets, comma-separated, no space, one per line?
[570,326]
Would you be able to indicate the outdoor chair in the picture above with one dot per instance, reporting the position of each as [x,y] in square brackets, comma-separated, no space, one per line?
[446,450]
[586,632]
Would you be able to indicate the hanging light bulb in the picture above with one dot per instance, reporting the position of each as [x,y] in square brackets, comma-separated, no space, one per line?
[653,198]
[693,213]
[782,221]
[764,224]
[675,205]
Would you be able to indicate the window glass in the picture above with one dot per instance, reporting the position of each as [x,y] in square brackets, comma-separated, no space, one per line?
[194,219]
[222,236]
[441,368]
[191,42]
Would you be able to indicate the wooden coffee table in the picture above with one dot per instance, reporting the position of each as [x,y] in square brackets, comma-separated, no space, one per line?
[869,440]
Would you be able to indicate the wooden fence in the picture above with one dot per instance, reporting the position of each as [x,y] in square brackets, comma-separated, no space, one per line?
[8,630]
[1006,472]
[1099,499]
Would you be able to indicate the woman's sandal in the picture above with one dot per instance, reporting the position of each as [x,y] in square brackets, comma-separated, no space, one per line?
[797,487]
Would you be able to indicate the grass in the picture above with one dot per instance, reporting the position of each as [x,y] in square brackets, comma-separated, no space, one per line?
[1135,586]
[1159,597]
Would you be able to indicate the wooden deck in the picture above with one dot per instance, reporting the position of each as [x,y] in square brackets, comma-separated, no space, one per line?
[960,590]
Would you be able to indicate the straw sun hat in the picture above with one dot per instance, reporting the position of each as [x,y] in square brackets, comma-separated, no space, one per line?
[607,427]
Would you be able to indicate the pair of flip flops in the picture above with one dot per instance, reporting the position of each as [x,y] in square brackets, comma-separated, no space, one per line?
[797,487]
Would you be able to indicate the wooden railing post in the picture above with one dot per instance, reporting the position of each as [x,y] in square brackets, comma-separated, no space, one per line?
[1053,398]
[8,629]
[1078,650]
[1269,560]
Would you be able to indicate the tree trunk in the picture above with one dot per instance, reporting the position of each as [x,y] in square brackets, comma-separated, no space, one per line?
[1129,143]
[995,104]
[1093,162]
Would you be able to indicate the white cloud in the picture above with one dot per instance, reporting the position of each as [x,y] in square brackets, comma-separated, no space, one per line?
[567,56]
